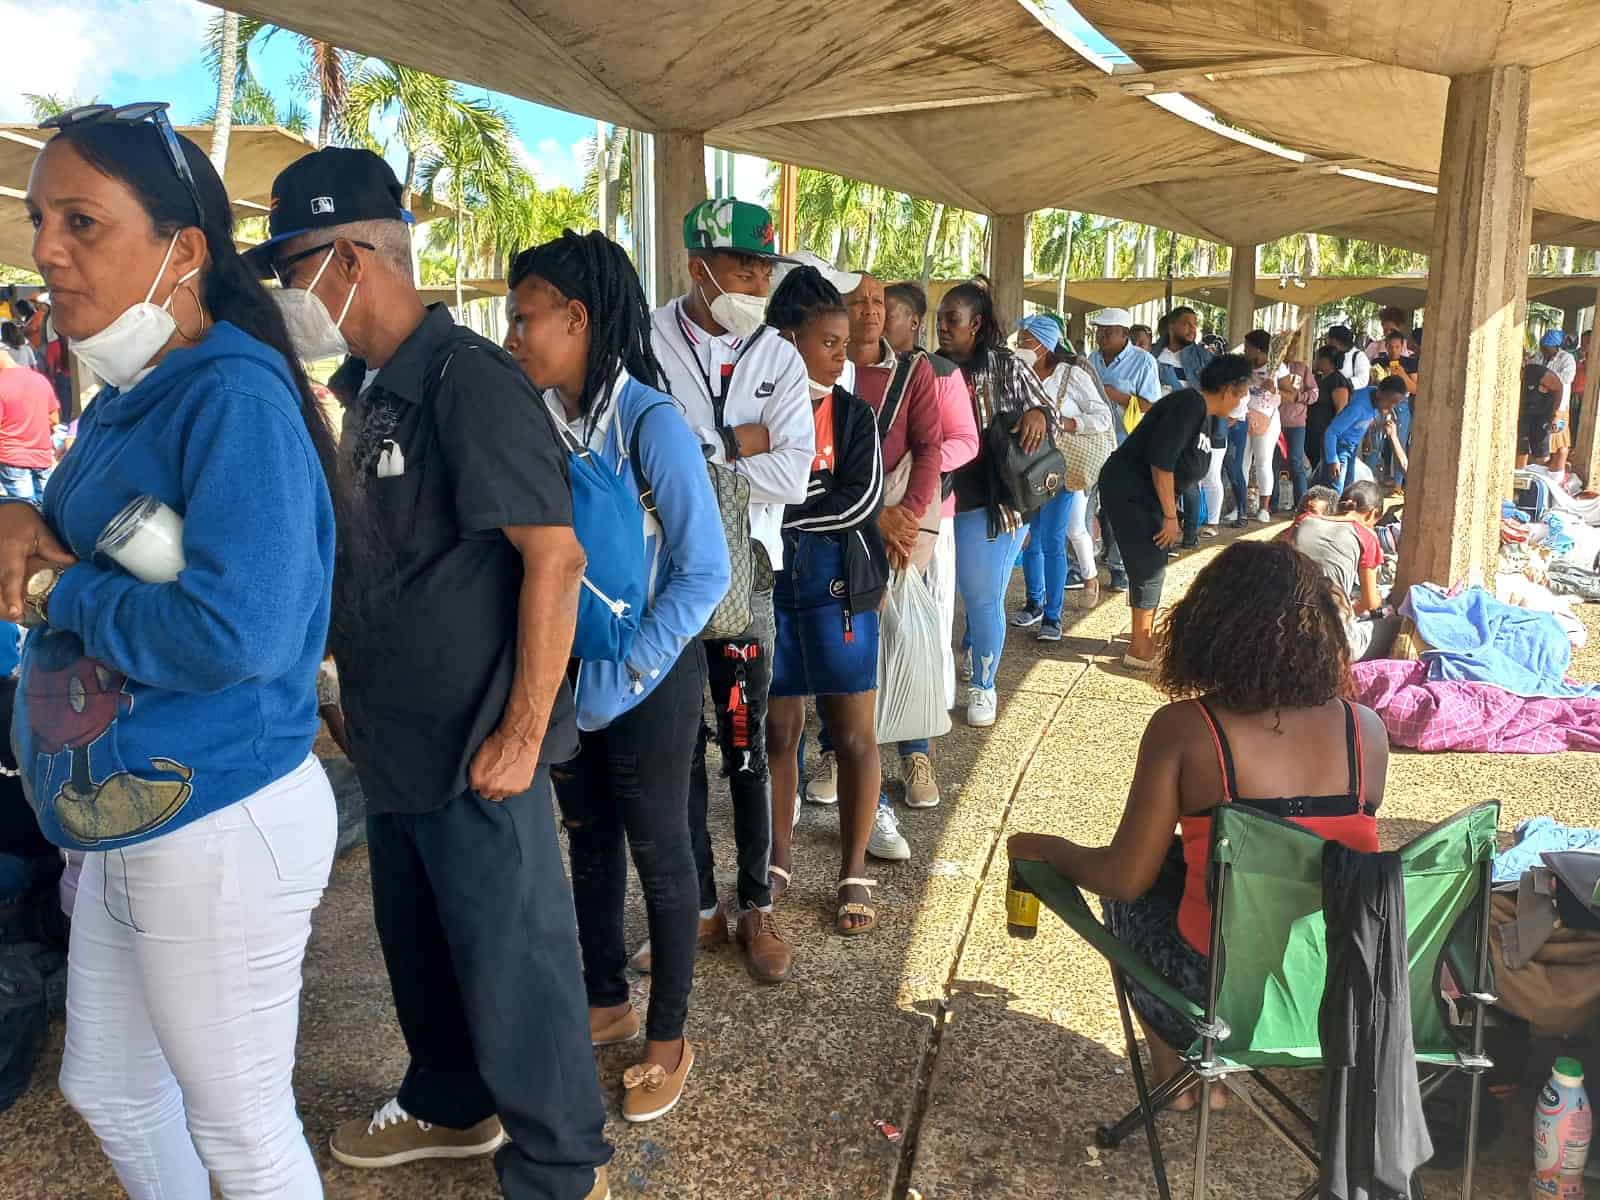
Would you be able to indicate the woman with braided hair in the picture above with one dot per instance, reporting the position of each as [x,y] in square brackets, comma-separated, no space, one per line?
[578,326]
[1255,663]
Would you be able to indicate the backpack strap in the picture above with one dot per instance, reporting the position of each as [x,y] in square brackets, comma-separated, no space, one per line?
[895,396]
[647,495]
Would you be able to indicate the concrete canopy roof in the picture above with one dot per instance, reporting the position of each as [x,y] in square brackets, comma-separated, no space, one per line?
[976,103]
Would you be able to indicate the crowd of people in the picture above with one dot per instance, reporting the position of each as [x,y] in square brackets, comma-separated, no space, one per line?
[536,567]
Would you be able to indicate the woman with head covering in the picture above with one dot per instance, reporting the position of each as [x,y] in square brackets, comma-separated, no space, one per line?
[168,707]
[1081,410]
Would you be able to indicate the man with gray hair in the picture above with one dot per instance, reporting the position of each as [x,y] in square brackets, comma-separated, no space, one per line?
[455,600]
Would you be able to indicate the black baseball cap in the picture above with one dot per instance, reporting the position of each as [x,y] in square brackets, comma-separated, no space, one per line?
[332,186]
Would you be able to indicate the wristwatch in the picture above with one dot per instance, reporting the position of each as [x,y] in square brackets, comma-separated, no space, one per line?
[36,590]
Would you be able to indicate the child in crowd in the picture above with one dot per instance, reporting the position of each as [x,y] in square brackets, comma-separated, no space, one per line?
[1347,551]
[834,573]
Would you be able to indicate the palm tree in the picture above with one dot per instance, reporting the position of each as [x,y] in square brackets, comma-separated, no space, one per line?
[470,158]
[325,69]
[617,157]
[254,105]
[51,105]
[227,86]
[421,104]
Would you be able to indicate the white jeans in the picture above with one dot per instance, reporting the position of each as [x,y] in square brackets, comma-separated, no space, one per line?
[1259,458]
[942,582]
[1078,536]
[183,997]
[1211,485]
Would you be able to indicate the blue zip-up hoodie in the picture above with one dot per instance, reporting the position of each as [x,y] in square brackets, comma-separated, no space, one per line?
[684,541]
[144,706]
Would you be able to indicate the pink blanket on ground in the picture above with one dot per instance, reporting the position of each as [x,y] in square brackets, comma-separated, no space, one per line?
[1446,715]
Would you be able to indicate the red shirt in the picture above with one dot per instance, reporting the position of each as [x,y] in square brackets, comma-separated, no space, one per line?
[822,415]
[27,414]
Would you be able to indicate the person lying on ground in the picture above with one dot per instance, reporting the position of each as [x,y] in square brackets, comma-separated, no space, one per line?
[1255,663]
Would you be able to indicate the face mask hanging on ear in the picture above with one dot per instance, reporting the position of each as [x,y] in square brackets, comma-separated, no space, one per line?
[739,315]
[312,332]
[121,351]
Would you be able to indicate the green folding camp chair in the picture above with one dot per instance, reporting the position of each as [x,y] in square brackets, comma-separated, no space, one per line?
[1269,962]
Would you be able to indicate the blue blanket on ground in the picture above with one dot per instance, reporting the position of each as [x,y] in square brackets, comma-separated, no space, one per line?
[1474,638]
[1535,836]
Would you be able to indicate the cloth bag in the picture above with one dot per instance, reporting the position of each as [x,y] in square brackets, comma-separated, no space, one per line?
[911,703]
[1026,481]
[894,491]
[750,569]
[1085,455]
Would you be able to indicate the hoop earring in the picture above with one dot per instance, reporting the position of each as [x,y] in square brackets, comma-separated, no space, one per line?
[200,312]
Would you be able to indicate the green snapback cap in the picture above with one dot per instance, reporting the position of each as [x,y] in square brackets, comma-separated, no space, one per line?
[731,225]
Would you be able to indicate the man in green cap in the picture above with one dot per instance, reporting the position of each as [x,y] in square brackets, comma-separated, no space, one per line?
[743,391]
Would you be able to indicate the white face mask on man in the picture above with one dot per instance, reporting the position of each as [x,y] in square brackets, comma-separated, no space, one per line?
[121,351]
[312,332]
[740,315]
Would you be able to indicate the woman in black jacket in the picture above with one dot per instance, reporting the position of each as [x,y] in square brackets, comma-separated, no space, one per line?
[826,598]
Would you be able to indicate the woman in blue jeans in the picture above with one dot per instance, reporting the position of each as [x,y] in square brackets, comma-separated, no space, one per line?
[988,531]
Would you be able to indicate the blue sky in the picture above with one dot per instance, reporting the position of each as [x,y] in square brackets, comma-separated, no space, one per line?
[123,50]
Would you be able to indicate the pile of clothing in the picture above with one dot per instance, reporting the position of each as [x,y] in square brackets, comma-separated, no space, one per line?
[1492,678]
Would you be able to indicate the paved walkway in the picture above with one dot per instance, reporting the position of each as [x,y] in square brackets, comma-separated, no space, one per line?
[994,1058]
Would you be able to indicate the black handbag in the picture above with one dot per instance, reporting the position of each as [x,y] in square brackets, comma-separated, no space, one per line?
[1025,481]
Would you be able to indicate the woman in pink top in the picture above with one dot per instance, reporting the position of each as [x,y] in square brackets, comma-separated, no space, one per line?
[28,410]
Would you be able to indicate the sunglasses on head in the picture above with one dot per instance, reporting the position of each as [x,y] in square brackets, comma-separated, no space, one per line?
[153,111]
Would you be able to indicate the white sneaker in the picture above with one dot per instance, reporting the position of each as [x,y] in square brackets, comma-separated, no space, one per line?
[796,824]
[885,841]
[981,703]
[1263,515]
[964,667]
[823,787]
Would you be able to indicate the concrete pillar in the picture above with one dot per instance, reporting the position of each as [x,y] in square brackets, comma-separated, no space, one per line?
[1008,237]
[1464,438]
[1241,294]
[1585,457]
[1077,331]
[1569,320]
[680,184]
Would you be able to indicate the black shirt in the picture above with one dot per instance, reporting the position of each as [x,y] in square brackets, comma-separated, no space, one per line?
[426,680]
[1170,436]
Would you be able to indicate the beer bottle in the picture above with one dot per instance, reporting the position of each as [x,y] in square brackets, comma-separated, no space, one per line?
[1022,907]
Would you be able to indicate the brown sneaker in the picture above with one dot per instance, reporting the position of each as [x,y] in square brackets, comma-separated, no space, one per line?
[614,1032]
[713,933]
[766,954]
[601,1190]
[922,786]
[393,1136]
[649,1092]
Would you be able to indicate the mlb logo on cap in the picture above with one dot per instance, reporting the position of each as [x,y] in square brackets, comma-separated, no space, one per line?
[321,204]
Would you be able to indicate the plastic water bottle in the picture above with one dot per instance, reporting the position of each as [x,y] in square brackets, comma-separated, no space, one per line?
[1562,1123]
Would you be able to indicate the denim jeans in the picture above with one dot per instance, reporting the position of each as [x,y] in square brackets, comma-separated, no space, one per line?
[629,786]
[739,676]
[983,569]
[1296,440]
[1044,558]
[476,923]
[24,483]
[1233,465]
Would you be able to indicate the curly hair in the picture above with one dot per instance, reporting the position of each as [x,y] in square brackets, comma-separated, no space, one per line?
[1260,630]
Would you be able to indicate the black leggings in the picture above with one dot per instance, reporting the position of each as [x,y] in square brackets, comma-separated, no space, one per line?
[633,777]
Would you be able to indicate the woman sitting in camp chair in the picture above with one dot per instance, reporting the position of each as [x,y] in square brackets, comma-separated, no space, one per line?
[1255,661]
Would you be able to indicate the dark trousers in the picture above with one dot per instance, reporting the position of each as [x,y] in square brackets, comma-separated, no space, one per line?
[1191,514]
[477,928]
[630,782]
[739,675]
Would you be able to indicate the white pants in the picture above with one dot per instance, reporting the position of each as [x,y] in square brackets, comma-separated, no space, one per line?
[942,582]
[1258,457]
[183,997]
[1078,535]
[1211,485]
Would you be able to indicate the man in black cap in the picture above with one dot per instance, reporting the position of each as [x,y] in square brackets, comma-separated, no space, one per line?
[455,605]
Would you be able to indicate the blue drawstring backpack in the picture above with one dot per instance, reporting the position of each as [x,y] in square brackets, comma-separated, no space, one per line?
[608,521]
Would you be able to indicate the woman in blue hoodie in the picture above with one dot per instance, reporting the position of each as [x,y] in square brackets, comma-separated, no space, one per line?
[165,728]
[578,325]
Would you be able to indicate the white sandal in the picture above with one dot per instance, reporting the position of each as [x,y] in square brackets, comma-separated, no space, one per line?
[856,909]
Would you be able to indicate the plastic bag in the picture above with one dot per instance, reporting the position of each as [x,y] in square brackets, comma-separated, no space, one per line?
[910,663]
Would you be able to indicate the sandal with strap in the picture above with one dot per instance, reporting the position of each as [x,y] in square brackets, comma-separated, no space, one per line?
[856,910]
[784,876]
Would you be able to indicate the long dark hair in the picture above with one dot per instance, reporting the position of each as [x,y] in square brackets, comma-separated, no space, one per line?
[990,355]
[133,155]
[593,270]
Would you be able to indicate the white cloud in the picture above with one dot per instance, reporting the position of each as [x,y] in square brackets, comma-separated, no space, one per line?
[76,49]
[554,163]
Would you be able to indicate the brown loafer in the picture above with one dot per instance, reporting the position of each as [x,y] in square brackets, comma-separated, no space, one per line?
[713,933]
[621,1029]
[766,954]
[649,1092]
[601,1189]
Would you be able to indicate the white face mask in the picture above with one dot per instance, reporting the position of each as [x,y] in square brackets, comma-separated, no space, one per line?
[1027,356]
[739,315]
[819,390]
[312,332]
[120,352]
